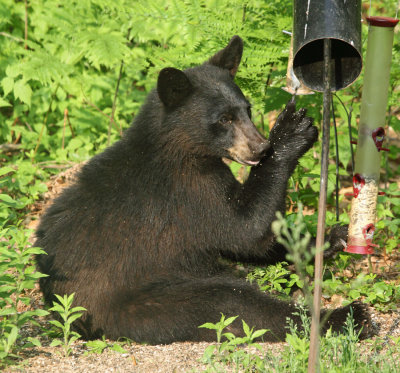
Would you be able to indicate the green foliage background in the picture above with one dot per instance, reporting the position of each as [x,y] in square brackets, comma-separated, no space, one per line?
[76,53]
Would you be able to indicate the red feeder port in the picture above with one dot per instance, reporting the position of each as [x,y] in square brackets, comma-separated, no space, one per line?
[378,136]
[362,246]
[355,249]
[358,183]
[368,232]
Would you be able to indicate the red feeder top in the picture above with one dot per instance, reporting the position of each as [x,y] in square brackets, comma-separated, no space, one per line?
[382,21]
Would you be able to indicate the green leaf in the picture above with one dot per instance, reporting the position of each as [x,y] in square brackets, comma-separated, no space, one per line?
[5,170]
[13,70]
[40,312]
[246,328]
[209,325]
[208,352]
[230,320]
[62,300]
[4,103]
[57,324]
[74,338]
[97,345]
[117,348]
[229,336]
[34,251]
[8,84]
[77,309]
[23,91]
[8,200]
[105,48]
[73,317]
[55,343]
[12,337]
[259,333]
[34,341]
[7,311]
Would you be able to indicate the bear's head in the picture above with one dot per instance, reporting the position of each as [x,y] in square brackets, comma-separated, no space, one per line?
[207,106]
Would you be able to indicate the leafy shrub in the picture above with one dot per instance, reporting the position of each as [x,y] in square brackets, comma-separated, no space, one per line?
[17,276]
[275,278]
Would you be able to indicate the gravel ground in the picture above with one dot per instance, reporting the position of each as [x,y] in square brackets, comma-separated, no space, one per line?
[177,357]
[173,358]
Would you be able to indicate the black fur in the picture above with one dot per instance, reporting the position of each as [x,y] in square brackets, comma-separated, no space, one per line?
[139,236]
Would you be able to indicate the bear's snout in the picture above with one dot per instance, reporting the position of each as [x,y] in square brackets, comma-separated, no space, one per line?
[249,146]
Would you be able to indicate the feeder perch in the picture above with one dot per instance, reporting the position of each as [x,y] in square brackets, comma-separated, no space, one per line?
[371,134]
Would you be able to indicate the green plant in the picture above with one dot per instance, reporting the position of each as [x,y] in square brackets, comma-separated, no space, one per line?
[299,340]
[343,347]
[388,225]
[230,351]
[293,234]
[99,345]
[275,278]
[339,352]
[68,315]
[17,277]
[383,295]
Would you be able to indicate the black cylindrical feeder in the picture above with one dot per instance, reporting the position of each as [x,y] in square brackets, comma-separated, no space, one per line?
[316,20]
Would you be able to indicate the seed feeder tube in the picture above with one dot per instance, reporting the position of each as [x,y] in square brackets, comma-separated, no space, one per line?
[371,135]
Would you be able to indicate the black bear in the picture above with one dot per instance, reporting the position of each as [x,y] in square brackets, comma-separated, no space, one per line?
[140,235]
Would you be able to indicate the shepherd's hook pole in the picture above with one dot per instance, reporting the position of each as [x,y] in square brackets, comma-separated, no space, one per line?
[313,358]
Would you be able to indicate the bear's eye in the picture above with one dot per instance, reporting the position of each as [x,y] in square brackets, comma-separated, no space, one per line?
[225,119]
[249,111]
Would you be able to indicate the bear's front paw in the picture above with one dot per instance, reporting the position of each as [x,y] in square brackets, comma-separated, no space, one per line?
[337,240]
[293,133]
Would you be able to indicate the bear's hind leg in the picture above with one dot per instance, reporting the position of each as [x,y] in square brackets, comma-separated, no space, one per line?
[166,312]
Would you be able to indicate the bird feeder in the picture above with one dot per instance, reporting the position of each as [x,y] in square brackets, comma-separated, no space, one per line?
[337,20]
[371,135]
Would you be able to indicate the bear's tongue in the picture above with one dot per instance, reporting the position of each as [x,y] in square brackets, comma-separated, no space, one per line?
[252,163]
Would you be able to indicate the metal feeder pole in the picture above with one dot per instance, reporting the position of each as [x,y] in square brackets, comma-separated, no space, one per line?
[326,58]
[313,361]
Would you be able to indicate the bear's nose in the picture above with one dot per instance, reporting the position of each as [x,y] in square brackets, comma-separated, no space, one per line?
[263,147]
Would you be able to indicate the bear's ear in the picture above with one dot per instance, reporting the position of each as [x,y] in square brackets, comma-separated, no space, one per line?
[173,86]
[229,57]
